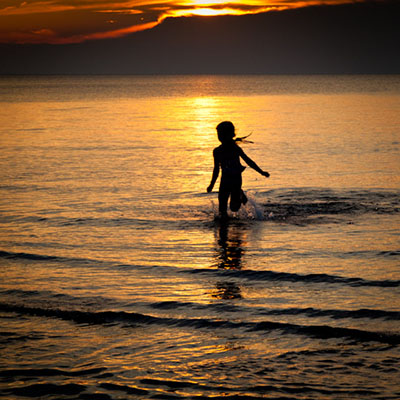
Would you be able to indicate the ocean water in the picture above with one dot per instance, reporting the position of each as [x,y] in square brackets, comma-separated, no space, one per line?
[118,280]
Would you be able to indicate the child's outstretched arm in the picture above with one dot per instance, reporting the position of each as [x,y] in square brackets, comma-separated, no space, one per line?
[252,164]
[214,175]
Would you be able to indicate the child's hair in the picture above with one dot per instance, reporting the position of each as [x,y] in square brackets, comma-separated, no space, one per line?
[226,133]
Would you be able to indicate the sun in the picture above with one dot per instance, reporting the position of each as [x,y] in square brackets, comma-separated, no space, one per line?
[204,12]
[207,12]
[207,8]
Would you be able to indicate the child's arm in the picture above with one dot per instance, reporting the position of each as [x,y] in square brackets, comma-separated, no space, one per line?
[252,164]
[214,175]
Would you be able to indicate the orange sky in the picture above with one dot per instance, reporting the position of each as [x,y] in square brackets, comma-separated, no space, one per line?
[71,21]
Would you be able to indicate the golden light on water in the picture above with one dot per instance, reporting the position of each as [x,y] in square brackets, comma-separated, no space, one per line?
[111,248]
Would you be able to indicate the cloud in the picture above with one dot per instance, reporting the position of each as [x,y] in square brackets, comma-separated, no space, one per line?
[71,21]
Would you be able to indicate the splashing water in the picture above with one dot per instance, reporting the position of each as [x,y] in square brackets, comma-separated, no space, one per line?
[253,209]
[250,211]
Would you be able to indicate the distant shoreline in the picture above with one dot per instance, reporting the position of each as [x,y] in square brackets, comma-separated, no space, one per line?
[324,74]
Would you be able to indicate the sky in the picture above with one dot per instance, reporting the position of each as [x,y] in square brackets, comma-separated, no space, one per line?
[179,36]
[71,21]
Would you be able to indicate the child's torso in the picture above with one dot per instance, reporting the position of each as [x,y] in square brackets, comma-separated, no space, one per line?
[229,159]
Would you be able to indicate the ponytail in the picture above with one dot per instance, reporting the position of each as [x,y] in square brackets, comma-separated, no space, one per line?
[226,133]
[243,139]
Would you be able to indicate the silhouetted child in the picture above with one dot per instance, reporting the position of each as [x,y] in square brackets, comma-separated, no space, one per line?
[227,157]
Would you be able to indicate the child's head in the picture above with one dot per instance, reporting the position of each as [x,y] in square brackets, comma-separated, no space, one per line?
[226,131]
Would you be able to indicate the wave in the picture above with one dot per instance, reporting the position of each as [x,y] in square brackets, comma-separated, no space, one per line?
[280,388]
[254,275]
[138,223]
[309,312]
[322,205]
[137,319]
[41,297]
[338,314]
[36,297]
[29,256]
[272,276]
[49,372]
[166,389]
[45,389]
[10,255]
[299,206]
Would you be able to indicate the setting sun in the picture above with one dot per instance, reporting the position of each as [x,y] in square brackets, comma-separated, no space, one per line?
[208,8]
[205,12]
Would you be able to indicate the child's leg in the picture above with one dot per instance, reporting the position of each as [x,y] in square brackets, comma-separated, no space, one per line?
[236,200]
[223,196]
[237,195]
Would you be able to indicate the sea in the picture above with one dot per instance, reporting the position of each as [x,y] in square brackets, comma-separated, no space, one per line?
[118,279]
